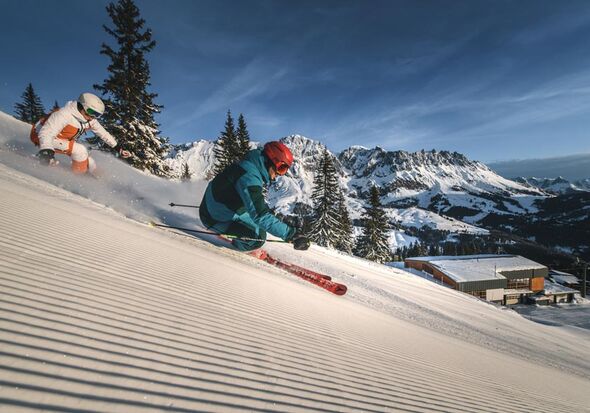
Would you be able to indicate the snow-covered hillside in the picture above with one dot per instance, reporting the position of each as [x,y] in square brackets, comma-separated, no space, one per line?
[198,156]
[100,312]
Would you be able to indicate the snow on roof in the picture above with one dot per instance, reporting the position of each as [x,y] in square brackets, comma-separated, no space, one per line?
[479,267]
[454,257]
[554,288]
[563,277]
[559,272]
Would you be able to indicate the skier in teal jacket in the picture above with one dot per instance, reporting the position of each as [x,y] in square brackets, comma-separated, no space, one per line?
[234,203]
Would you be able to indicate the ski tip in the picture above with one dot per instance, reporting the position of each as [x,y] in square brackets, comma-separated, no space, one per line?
[172,204]
[151,224]
[339,289]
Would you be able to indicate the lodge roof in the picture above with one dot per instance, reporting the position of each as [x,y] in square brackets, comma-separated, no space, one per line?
[468,268]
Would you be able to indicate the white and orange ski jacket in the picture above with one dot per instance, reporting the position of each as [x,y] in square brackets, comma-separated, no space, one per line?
[68,123]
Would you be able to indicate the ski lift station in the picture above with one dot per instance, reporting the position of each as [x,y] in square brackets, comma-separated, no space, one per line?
[503,279]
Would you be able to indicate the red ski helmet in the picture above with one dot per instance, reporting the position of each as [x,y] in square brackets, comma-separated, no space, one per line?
[279,155]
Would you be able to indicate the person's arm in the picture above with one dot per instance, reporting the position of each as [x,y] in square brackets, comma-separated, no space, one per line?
[52,127]
[251,194]
[103,134]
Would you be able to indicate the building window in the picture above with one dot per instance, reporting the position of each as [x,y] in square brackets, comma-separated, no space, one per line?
[511,299]
[478,294]
[518,283]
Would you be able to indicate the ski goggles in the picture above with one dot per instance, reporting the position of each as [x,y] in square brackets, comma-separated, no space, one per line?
[93,113]
[282,168]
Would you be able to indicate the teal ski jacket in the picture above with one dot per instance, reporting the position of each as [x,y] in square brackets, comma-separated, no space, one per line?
[236,195]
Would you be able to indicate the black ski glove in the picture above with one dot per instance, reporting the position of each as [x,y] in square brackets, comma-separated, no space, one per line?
[293,221]
[300,241]
[46,156]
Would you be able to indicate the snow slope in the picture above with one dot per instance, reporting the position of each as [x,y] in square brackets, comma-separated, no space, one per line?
[100,312]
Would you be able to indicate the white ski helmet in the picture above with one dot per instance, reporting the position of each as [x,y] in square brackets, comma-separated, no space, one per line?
[92,104]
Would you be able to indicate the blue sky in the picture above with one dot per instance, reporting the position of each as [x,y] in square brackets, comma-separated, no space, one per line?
[494,80]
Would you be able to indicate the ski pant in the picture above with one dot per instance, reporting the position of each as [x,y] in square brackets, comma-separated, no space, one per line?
[81,162]
[243,227]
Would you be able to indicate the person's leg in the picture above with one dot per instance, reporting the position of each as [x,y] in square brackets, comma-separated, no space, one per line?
[63,146]
[80,161]
[251,237]
[243,228]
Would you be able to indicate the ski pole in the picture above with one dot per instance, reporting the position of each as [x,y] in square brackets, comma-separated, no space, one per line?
[153,224]
[172,204]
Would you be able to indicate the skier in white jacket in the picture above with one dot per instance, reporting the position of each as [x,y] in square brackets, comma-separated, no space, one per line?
[59,131]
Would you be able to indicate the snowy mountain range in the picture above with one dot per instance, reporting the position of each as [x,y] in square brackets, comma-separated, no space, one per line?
[556,186]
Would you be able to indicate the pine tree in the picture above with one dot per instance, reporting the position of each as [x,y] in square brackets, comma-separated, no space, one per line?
[373,243]
[344,239]
[227,146]
[414,250]
[417,251]
[403,253]
[55,106]
[243,137]
[31,109]
[450,248]
[186,173]
[130,108]
[325,197]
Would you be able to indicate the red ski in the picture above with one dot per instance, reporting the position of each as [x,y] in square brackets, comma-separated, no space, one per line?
[313,277]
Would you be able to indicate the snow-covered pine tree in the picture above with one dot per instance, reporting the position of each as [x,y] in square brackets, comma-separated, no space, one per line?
[325,196]
[227,146]
[186,173]
[373,243]
[344,239]
[31,109]
[243,137]
[130,108]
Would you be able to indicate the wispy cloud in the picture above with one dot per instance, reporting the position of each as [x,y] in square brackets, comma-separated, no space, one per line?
[554,100]
[466,113]
[561,24]
[258,78]
[391,127]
